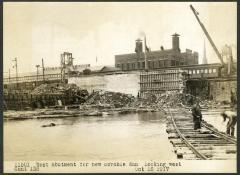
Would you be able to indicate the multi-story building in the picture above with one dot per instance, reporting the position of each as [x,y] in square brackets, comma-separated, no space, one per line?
[156,59]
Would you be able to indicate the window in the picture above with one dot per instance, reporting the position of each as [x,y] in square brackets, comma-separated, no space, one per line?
[138,65]
[210,70]
[128,66]
[143,65]
[161,63]
[214,70]
[190,71]
[165,63]
[206,71]
[133,65]
[149,64]
[197,71]
[193,72]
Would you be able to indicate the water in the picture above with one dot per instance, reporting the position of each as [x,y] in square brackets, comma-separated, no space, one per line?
[118,137]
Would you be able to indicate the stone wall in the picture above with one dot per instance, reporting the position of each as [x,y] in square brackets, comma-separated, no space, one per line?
[221,90]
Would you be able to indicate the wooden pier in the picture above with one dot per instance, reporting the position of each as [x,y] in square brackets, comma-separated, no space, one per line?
[206,144]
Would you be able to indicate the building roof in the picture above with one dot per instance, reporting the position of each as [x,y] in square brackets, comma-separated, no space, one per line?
[103,69]
[109,69]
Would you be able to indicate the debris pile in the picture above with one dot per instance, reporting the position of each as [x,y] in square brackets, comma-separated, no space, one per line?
[166,99]
[57,88]
[69,93]
[48,89]
[114,99]
[175,99]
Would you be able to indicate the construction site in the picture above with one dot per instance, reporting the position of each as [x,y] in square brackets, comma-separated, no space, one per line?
[166,81]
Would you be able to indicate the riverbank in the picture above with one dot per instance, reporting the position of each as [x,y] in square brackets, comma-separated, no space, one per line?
[75,112]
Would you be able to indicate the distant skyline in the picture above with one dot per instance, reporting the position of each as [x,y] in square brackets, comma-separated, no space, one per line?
[36,30]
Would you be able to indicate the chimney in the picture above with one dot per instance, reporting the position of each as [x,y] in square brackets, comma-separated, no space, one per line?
[139,46]
[175,42]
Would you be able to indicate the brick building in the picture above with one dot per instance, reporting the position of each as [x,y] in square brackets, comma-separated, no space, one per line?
[156,59]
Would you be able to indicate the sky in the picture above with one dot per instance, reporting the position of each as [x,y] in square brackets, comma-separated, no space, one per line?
[36,30]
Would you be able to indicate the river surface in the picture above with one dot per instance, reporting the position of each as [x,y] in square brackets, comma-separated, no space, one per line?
[117,137]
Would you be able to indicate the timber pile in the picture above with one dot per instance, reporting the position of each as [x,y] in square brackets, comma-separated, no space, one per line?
[114,99]
[206,141]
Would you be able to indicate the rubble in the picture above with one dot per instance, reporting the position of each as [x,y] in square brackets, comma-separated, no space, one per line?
[47,89]
[110,99]
[58,88]
[70,92]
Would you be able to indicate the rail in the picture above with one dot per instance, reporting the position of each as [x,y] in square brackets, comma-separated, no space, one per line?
[217,134]
[194,150]
[224,136]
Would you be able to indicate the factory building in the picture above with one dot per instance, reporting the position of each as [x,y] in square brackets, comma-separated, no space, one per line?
[156,59]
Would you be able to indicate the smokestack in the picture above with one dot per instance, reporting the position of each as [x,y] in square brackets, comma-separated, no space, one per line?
[175,42]
[139,46]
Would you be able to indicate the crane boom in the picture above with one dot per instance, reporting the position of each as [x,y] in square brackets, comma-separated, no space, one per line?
[207,35]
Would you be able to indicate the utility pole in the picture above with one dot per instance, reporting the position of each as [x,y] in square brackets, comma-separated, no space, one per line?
[37,66]
[9,75]
[15,59]
[145,54]
[63,67]
[43,69]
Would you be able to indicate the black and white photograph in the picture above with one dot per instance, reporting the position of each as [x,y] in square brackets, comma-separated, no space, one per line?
[120,87]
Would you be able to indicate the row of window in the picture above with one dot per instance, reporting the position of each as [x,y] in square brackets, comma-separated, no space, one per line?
[171,85]
[151,64]
[200,71]
[160,77]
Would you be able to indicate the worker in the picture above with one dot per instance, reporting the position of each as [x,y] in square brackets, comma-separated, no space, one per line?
[232,120]
[197,115]
[233,100]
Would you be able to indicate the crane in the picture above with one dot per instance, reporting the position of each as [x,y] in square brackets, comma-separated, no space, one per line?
[207,35]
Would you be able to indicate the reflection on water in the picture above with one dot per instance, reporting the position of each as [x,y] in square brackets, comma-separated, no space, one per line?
[118,137]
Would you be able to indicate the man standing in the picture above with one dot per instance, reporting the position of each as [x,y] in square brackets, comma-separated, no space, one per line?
[197,115]
[232,120]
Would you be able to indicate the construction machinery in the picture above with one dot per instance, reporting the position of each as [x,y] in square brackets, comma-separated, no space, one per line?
[227,68]
[66,64]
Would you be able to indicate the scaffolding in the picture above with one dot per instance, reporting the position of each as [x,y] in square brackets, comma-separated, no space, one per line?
[158,82]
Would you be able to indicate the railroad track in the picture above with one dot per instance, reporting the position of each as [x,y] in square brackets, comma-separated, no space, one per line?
[206,144]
